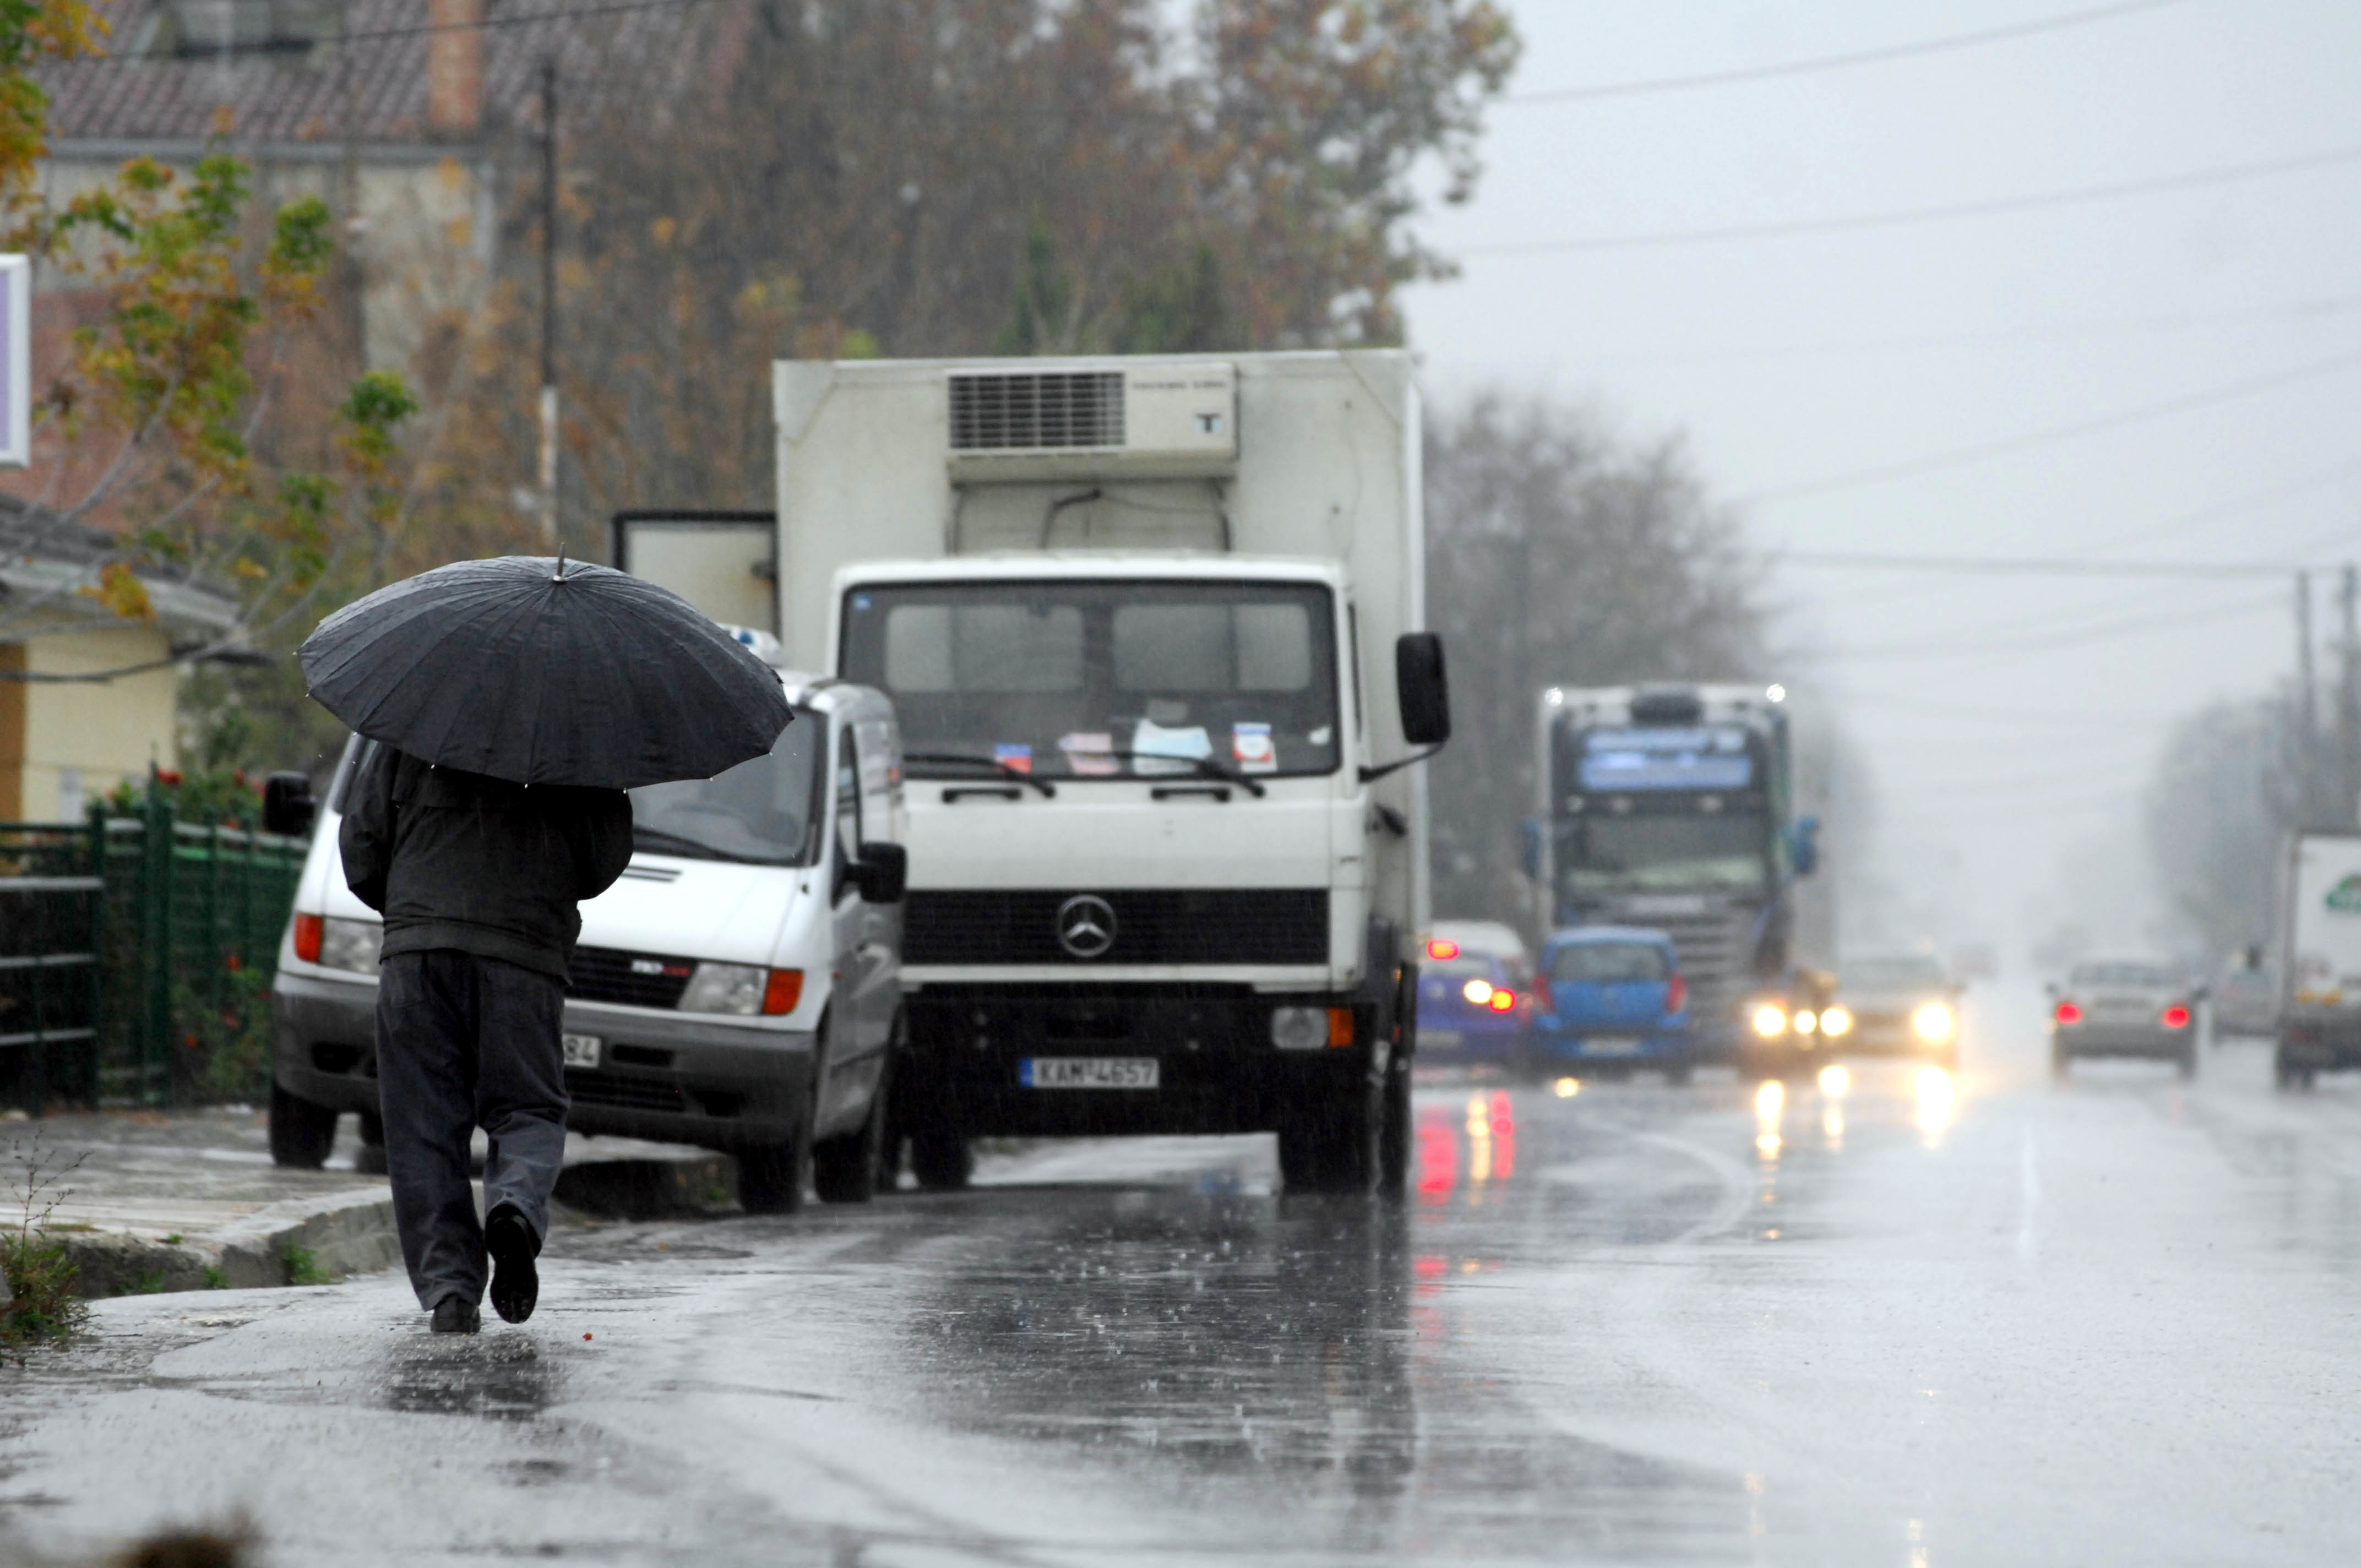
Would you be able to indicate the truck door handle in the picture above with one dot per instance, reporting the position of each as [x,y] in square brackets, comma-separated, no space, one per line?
[1171,791]
[983,792]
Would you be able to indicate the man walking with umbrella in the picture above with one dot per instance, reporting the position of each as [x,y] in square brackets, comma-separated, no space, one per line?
[513,702]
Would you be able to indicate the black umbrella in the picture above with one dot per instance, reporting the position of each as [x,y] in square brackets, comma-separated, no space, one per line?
[542,671]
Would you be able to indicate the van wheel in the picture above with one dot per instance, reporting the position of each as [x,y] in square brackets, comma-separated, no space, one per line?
[845,1169]
[771,1176]
[302,1134]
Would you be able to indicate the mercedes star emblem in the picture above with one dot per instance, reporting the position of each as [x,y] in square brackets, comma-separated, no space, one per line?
[1086,926]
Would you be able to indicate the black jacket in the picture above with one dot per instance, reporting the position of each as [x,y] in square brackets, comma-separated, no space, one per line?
[457,860]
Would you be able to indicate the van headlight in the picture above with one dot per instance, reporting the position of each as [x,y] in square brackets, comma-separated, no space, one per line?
[351,945]
[724,988]
[1934,1023]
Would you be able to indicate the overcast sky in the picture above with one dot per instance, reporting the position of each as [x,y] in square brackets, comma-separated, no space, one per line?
[2011,721]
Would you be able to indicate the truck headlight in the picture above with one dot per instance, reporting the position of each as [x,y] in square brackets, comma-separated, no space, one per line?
[724,988]
[1933,1022]
[351,945]
[1835,1021]
[1770,1019]
[1310,1028]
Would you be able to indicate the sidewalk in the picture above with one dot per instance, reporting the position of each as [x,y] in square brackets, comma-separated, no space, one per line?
[151,1201]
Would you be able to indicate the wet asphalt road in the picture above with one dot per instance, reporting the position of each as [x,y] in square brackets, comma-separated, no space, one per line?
[1925,1322]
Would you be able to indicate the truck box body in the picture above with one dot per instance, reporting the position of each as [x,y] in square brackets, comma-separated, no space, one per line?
[2320,1025]
[1092,574]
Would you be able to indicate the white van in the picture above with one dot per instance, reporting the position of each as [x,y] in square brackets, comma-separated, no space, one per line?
[738,988]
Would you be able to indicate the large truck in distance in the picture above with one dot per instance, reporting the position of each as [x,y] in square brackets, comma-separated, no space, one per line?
[2320,956]
[1673,808]
[1153,628]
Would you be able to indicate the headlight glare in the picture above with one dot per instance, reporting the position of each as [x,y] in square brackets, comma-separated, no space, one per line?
[1770,1019]
[1835,1021]
[1478,992]
[724,988]
[351,945]
[1933,1022]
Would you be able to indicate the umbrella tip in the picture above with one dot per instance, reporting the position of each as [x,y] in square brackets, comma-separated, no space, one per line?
[561,566]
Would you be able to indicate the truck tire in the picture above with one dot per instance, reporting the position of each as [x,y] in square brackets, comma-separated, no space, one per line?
[302,1134]
[939,1158]
[1332,1145]
[845,1169]
[1394,1139]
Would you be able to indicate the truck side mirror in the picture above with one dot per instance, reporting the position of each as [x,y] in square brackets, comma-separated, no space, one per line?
[1533,847]
[288,807]
[882,873]
[1424,693]
[1804,845]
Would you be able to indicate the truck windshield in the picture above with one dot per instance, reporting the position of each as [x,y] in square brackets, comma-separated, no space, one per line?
[766,811]
[1664,853]
[1102,679]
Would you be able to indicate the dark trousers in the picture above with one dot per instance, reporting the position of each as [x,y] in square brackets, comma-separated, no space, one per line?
[464,1041]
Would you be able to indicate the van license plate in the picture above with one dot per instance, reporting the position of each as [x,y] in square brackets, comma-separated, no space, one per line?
[1089,1072]
[581,1050]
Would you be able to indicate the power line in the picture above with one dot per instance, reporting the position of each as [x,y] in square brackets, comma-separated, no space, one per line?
[2050,435]
[1977,40]
[2108,631]
[2045,565]
[2192,179]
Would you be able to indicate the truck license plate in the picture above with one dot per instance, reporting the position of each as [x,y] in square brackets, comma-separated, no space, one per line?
[1088,1072]
[581,1050]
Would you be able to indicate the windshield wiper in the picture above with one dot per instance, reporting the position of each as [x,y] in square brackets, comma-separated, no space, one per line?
[1206,768]
[1007,770]
[696,848]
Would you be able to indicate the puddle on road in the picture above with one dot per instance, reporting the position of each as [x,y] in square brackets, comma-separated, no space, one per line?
[496,1376]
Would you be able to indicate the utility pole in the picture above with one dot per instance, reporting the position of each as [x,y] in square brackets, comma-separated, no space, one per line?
[2348,701]
[549,301]
[2307,755]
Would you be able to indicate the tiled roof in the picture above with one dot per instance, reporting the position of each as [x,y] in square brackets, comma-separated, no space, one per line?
[374,89]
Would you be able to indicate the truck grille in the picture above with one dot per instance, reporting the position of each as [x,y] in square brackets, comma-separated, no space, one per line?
[633,980]
[1240,925]
[999,411]
[1714,959]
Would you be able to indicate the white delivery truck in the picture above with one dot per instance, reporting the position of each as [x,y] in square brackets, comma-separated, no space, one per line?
[2319,935]
[1152,628]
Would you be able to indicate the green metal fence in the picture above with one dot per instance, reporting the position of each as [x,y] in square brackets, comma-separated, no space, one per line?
[178,932]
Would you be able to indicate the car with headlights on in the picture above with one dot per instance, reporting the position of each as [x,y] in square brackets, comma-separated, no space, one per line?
[1894,1005]
[1611,1000]
[739,987]
[2124,1007]
[1475,986]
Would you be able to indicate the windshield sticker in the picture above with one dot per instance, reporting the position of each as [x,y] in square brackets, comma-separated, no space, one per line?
[1251,745]
[1009,755]
[1152,741]
[2345,897]
[1089,753]
[1320,737]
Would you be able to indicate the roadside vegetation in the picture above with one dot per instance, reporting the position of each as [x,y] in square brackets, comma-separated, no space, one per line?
[41,1308]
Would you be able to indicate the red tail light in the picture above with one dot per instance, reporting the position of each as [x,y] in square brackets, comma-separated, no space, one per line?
[309,929]
[1502,1001]
[2176,1017]
[1677,993]
[2068,1013]
[1443,947]
[1544,995]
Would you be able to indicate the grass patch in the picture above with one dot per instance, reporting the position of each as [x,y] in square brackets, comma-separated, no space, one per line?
[304,1268]
[150,1282]
[215,1279]
[42,1308]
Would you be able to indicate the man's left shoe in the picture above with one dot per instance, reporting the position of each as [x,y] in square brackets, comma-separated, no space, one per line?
[516,1283]
[455,1315]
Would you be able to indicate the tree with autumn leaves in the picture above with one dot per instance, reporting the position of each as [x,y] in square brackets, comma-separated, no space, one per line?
[166,427]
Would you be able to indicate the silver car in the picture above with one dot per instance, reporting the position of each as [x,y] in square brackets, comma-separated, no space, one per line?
[1903,1004]
[2124,1007]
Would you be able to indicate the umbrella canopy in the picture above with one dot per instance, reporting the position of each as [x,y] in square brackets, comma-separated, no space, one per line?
[545,672]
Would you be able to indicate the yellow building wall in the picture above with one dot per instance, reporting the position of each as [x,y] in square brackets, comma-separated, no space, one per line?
[82,739]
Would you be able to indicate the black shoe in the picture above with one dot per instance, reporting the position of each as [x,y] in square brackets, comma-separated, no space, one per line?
[516,1284]
[457,1315]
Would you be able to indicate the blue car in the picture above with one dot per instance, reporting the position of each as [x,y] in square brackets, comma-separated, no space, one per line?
[1474,995]
[1611,1000]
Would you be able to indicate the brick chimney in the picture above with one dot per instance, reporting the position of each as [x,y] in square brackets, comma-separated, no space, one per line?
[455,67]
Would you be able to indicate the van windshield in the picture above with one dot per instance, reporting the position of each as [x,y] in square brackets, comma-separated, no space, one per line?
[766,811]
[1077,679]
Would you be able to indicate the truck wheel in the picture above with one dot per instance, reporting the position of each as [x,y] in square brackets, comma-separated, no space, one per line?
[369,1159]
[939,1158]
[845,1168]
[1393,1140]
[1332,1145]
[302,1134]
